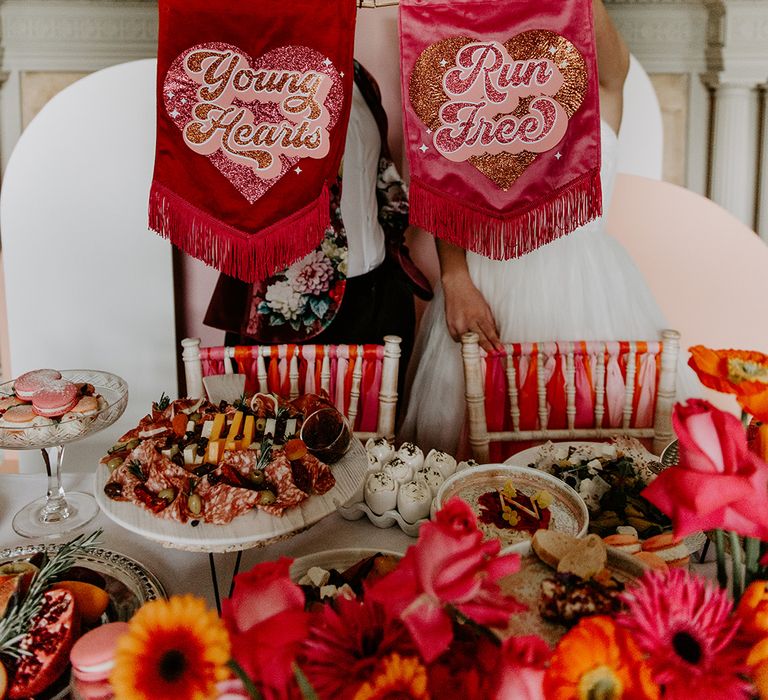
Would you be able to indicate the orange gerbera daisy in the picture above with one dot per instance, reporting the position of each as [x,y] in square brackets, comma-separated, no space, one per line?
[740,372]
[597,659]
[174,648]
[402,678]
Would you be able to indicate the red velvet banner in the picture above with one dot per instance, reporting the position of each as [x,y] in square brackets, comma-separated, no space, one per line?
[252,106]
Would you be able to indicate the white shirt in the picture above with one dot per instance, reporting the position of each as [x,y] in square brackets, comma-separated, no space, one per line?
[359,208]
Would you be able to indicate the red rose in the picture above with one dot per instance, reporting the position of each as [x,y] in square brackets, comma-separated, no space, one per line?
[267,623]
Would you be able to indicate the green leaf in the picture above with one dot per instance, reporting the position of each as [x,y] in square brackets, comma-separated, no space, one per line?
[320,305]
[307,691]
[248,684]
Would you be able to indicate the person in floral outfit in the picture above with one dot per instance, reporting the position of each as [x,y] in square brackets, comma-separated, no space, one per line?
[357,286]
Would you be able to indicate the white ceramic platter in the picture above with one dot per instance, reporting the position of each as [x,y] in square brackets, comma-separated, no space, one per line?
[253,529]
[530,456]
[569,513]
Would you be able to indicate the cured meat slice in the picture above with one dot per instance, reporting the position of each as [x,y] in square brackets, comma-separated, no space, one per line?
[318,474]
[222,503]
[280,474]
[242,461]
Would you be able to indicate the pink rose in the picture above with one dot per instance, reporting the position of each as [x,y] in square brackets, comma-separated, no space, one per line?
[450,565]
[267,623]
[521,672]
[718,482]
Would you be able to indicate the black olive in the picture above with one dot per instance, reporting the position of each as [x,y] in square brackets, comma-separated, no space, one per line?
[194,523]
[113,490]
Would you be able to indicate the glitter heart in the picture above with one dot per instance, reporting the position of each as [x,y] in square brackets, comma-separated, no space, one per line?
[254,119]
[527,100]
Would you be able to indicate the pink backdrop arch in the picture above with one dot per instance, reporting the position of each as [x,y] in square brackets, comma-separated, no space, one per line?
[707,270]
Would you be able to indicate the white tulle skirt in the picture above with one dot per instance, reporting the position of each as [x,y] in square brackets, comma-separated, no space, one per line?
[584,286]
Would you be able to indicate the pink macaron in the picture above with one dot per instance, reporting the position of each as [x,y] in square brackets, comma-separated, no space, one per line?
[27,384]
[93,655]
[55,399]
[94,691]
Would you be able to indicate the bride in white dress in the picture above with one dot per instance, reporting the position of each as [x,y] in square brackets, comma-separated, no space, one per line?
[583,286]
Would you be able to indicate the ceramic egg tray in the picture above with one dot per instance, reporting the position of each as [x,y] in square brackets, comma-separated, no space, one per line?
[355,511]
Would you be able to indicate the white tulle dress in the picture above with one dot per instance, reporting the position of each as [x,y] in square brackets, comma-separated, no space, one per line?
[583,286]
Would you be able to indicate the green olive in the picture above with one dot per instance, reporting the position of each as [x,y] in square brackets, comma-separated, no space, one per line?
[260,424]
[117,447]
[194,417]
[195,504]
[256,477]
[266,498]
[133,444]
[167,494]
[114,463]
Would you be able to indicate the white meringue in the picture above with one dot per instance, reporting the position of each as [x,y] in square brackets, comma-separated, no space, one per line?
[373,463]
[380,448]
[399,470]
[431,477]
[380,492]
[441,461]
[411,455]
[414,500]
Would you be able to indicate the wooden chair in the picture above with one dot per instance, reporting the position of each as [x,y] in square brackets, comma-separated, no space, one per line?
[346,372]
[569,391]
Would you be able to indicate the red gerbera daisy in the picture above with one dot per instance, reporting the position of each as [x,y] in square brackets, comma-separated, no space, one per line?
[345,644]
[684,624]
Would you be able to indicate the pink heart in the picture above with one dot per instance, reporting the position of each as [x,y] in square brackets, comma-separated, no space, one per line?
[181,93]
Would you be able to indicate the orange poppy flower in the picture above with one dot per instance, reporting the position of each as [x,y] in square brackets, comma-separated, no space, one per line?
[753,609]
[757,660]
[598,659]
[743,373]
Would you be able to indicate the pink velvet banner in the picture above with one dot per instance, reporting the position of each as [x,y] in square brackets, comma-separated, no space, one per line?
[502,122]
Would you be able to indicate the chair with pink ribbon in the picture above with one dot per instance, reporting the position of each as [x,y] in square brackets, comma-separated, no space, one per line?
[361,380]
[568,391]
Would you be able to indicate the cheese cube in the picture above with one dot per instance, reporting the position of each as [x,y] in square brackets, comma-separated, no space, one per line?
[207,427]
[218,426]
[189,454]
[249,428]
[234,427]
[214,451]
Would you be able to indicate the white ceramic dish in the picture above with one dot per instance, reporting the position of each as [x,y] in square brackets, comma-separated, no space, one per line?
[253,529]
[355,511]
[569,513]
[339,559]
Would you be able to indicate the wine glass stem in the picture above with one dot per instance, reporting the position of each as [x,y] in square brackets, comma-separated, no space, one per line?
[56,508]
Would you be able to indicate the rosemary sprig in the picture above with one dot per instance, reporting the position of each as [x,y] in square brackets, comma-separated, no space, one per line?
[134,466]
[15,625]
[163,403]
[266,454]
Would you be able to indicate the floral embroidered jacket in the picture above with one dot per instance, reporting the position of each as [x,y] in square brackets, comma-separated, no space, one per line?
[300,302]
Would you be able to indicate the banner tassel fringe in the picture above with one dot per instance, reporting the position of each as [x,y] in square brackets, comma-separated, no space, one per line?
[249,258]
[501,238]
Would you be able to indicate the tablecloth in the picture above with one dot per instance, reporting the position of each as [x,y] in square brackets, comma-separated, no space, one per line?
[188,572]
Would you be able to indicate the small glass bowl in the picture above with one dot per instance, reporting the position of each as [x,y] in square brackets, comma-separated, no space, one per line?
[327,434]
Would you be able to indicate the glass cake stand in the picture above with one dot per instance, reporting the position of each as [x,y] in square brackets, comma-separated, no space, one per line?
[58,513]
